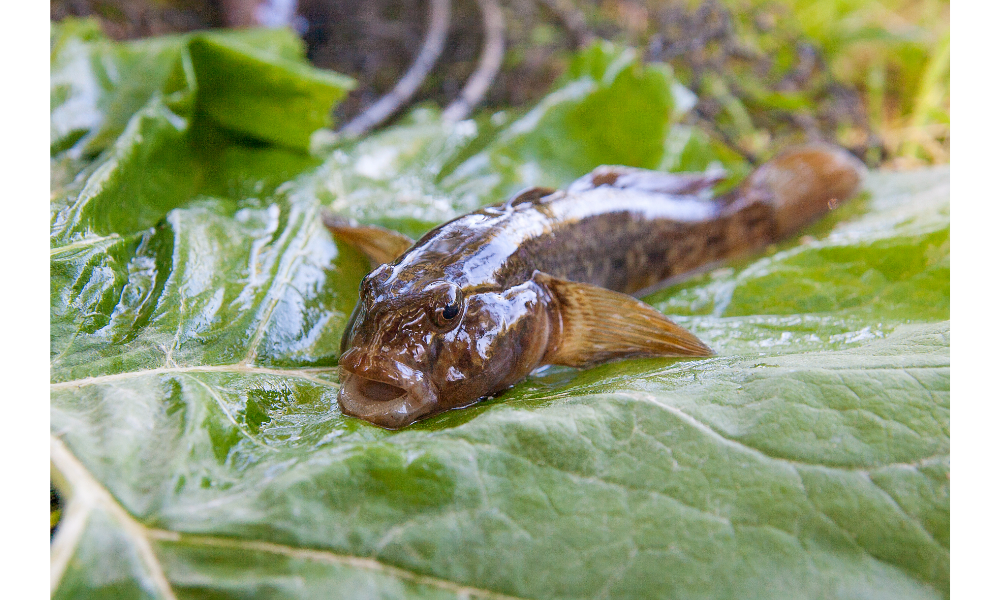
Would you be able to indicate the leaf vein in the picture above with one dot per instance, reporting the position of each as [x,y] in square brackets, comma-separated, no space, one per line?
[84,488]
[328,557]
[307,373]
[88,492]
[281,278]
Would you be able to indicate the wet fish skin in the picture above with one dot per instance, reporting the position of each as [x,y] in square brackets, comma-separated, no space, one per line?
[481,301]
[499,336]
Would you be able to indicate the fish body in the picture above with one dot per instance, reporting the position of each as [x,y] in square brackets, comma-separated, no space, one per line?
[481,301]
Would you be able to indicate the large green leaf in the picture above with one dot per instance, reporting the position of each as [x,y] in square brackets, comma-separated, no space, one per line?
[197,305]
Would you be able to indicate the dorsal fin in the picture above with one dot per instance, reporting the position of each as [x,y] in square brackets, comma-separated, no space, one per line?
[656,182]
[529,195]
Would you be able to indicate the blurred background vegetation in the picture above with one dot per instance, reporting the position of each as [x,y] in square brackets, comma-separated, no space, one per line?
[871,75]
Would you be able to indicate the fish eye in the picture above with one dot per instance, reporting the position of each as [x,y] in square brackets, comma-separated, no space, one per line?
[445,314]
[447,304]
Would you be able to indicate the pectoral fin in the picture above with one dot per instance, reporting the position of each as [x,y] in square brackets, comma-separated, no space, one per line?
[379,244]
[598,325]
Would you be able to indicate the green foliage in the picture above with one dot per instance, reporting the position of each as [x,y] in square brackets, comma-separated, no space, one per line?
[872,75]
[253,92]
[98,85]
[197,305]
[894,52]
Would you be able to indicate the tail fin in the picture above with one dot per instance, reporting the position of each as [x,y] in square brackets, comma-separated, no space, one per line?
[802,184]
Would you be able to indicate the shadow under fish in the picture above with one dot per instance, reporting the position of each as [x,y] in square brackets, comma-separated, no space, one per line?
[481,301]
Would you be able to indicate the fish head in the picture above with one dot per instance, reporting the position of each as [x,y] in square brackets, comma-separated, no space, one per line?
[411,355]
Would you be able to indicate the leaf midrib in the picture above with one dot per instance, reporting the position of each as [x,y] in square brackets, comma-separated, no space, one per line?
[85,493]
[240,368]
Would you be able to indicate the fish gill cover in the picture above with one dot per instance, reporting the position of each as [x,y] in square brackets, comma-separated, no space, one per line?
[197,305]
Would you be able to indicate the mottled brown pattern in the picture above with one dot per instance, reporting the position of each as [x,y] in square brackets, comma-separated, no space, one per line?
[541,279]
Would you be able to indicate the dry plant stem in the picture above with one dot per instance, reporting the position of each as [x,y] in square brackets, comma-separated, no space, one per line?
[437,31]
[488,67]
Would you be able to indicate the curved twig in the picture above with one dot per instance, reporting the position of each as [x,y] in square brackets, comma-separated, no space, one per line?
[488,67]
[437,31]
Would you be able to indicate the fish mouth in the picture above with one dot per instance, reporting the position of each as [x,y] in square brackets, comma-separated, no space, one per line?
[387,393]
[375,391]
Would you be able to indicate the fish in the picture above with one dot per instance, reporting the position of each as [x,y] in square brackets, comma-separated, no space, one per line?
[548,277]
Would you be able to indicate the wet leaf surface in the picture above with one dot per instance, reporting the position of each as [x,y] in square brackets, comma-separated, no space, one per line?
[196,311]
